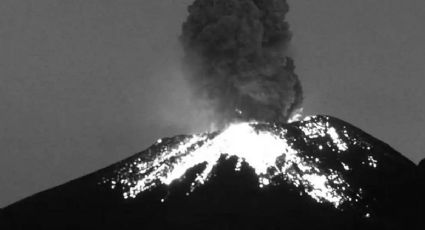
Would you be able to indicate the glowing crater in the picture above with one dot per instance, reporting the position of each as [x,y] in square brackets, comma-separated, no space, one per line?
[262,149]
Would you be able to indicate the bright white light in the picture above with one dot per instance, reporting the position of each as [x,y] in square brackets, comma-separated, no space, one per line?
[342,146]
[296,116]
[372,162]
[346,167]
[260,149]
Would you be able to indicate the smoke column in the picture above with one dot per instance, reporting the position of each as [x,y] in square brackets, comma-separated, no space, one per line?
[235,58]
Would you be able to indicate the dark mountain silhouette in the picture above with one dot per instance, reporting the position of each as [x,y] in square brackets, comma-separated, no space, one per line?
[329,175]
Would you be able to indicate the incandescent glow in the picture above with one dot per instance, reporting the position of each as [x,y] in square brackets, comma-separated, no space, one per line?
[296,115]
[264,147]
[342,146]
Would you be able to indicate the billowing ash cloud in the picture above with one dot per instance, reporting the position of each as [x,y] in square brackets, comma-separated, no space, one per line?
[235,58]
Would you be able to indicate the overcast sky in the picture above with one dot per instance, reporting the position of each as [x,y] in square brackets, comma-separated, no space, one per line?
[86,83]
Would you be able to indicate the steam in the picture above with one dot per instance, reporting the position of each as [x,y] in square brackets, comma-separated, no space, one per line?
[235,57]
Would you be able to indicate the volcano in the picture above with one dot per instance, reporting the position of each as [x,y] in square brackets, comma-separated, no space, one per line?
[318,173]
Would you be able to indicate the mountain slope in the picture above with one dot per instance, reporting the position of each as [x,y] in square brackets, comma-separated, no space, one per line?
[318,173]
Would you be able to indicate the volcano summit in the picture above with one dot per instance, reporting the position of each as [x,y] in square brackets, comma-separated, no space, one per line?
[319,173]
[258,172]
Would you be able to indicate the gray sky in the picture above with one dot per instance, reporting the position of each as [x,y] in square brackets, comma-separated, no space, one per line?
[84,84]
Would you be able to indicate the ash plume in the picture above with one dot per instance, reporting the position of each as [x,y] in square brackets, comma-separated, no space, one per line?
[235,57]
